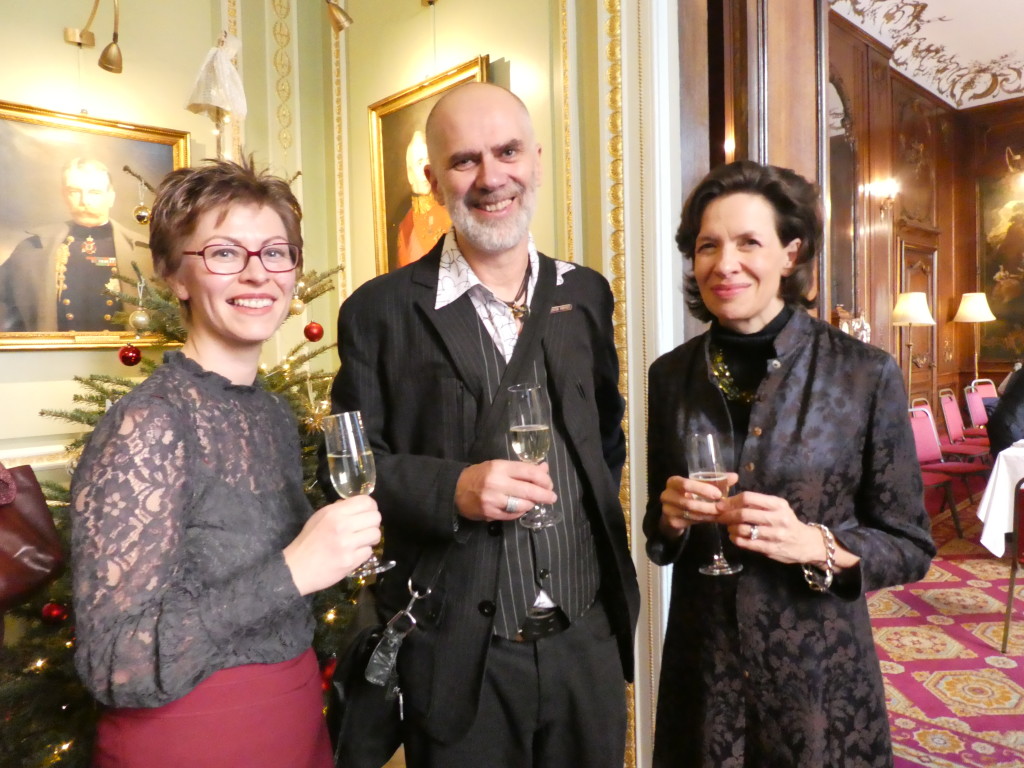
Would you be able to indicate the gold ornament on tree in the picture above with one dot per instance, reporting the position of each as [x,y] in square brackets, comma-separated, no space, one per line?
[141,212]
[140,320]
[298,306]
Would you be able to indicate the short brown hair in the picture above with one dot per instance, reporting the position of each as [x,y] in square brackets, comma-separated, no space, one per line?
[798,214]
[188,193]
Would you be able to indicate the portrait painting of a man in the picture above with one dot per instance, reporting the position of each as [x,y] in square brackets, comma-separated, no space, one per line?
[57,277]
[407,218]
[426,220]
[69,194]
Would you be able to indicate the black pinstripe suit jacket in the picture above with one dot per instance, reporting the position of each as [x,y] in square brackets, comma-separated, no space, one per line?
[417,376]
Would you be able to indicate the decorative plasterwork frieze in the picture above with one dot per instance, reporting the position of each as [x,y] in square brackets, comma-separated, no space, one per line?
[905,25]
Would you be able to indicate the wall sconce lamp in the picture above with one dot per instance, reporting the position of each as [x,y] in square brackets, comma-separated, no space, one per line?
[974,309]
[340,21]
[110,59]
[886,191]
[911,309]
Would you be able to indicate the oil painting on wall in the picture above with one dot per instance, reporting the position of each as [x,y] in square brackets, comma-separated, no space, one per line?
[1001,238]
[74,195]
[407,219]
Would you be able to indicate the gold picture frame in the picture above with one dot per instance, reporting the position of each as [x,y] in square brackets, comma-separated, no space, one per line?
[394,121]
[38,211]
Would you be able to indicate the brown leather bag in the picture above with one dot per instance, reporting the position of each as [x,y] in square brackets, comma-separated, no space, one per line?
[31,554]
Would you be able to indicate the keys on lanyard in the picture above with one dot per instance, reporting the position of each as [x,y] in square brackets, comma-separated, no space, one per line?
[380,670]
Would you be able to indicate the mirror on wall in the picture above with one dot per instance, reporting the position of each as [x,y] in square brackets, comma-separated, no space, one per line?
[842,177]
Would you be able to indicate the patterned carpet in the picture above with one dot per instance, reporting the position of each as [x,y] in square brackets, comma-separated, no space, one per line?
[954,699]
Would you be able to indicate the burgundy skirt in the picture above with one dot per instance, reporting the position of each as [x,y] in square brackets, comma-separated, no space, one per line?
[256,716]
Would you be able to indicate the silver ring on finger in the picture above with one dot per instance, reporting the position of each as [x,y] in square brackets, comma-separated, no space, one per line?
[512,505]
[687,515]
[754,533]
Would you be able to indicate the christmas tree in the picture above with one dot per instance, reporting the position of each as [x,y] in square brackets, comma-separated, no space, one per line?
[47,718]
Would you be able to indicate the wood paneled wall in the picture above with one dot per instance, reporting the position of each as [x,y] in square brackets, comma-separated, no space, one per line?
[918,244]
[993,129]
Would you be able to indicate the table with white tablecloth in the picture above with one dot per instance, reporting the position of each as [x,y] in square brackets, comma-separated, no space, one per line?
[996,508]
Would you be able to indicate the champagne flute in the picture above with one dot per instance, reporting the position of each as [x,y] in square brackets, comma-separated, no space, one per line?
[353,472]
[530,430]
[705,463]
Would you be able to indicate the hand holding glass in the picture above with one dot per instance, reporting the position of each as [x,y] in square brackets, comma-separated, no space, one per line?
[353,473]
[705,464]
[530,430]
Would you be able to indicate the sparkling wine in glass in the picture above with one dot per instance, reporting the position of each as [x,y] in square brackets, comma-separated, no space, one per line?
[706,464]
[530,431]
[353,472]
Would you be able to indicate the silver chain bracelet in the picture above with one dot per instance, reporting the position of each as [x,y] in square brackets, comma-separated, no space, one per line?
[816,579]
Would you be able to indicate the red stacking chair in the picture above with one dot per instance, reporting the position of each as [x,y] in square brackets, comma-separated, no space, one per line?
[1016,554]
[986,387]
[929,452]
[945,482]
[975,406]
[968,431]
[955,423]
[958,450]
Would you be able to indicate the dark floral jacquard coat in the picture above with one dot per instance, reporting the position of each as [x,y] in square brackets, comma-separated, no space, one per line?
[758,670]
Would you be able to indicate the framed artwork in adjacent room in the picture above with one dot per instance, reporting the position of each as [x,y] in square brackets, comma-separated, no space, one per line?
[1001,247]
[407,220]
[75,193]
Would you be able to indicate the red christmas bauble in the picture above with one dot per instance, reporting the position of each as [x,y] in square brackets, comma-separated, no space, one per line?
[327,672]
[129,354]
[55,613]
[314,331]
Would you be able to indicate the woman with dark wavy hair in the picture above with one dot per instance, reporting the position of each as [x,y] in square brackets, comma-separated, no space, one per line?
[775,665]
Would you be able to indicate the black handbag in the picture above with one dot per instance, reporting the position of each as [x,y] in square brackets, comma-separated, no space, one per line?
[364,719]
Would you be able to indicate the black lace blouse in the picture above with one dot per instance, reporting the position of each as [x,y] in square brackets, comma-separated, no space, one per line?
[182,502]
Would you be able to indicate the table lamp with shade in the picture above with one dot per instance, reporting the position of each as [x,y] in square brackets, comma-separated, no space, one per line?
[911,309]
[974,309]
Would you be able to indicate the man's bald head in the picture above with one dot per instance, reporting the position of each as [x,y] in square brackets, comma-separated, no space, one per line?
[470,98]
[484,167]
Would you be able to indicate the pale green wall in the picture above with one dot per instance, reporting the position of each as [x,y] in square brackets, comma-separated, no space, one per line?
[163,45]
[396,44]
[392,45]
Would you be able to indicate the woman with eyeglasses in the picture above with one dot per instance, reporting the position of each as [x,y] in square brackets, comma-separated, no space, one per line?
[194,547]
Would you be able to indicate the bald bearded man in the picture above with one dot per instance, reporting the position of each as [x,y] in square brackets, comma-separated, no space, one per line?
[522,649]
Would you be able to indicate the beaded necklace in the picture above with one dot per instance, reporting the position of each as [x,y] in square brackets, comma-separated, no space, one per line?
[723,378]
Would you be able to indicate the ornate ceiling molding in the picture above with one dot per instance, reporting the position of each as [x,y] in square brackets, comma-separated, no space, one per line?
[906,26]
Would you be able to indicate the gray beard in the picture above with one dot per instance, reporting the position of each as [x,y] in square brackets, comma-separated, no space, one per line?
[493,237]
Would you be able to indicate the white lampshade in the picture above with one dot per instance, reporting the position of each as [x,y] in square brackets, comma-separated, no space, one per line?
[912,309]
[974,309]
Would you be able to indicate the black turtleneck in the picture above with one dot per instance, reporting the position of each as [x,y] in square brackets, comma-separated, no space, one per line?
[747,356]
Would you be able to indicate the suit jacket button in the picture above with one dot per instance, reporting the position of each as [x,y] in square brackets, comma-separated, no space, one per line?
[494,528]
[486,607]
